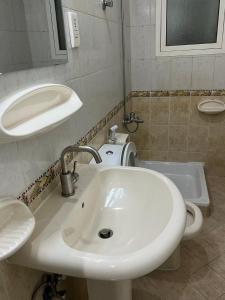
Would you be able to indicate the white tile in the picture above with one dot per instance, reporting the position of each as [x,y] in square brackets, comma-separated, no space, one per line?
[5,53]
[11,173]
[142,42]
[140,12]
[38,52]
[18,12]
[114,14]
[141,75]
[126,11]
[128,76]
[153,12]
[203,71]
[35,21]
[95,8]
[219,78]
[160,74]
[20,48]
[35,156]
[6,16]
[79,5]
[127,42]
[181,73]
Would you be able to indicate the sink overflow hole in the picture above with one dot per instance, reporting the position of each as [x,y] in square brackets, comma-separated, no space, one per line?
[105,233]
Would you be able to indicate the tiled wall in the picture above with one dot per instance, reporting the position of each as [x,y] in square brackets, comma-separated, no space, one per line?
[95,72]
[174,130]
[149,72]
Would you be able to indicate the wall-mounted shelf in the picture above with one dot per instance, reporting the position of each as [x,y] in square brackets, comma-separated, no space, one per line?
[36,110]
[211,106]
[16,226]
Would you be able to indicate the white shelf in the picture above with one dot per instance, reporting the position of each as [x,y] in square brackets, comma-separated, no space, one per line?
[16,226]
[36,110]
[211,106]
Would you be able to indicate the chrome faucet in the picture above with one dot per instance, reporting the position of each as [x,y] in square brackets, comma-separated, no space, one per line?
[69,178]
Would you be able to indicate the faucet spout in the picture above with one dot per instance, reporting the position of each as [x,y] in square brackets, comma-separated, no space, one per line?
[67,177]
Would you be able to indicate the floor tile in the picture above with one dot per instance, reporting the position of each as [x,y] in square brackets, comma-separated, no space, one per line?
[190,293]
[203,247]
[190,263]
[208,283]
[218,265]
[139,294]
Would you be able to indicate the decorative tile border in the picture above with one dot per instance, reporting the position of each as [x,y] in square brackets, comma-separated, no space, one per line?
[41,183]
[176,93]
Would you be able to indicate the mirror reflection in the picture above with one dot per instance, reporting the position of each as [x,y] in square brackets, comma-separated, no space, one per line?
[32,34]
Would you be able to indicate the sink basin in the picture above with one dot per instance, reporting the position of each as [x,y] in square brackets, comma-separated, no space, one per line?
[122,223]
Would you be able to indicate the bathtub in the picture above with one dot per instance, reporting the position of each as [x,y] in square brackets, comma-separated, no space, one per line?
[188,177]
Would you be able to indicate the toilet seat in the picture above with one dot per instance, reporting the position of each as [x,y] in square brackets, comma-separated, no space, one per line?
[194,221]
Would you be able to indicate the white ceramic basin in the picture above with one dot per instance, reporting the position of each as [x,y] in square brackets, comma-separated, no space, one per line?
[143,208]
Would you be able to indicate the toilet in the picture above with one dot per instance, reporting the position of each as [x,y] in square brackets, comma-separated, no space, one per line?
[118,154]
[124,155]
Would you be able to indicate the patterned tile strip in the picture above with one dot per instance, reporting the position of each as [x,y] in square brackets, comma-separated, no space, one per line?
[177,93]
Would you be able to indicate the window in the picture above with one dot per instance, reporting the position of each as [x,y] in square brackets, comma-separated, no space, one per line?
[190,27]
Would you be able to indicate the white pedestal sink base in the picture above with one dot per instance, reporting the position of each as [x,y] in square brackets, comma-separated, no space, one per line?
[110,290]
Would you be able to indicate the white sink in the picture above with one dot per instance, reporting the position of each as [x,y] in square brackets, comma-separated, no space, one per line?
[144,210]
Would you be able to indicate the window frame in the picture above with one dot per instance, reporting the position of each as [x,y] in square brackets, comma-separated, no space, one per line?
[194,49]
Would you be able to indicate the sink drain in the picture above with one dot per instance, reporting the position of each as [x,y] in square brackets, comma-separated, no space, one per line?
[105,233]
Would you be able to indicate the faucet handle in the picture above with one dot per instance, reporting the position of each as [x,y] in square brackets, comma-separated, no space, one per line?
[75,175]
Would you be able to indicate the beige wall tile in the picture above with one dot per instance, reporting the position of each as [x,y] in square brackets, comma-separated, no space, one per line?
[179,110]
[159,110]
[197,138]
[145,116]
[159,155]
[142,139]
[177,156]
[144,155]
[3,291]
[215,163]
[141,104]
[159,137]
[197,156]
[19,282]
[217,138]
[177,138]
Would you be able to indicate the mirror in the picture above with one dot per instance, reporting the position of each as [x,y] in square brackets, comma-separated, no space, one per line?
[32,34]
